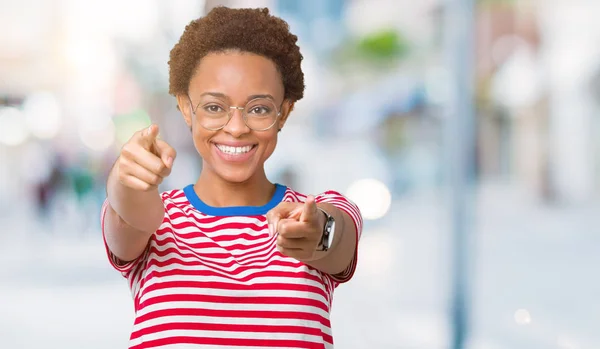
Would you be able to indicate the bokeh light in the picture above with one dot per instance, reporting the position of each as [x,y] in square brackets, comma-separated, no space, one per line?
[371,196]
[522,317]
[13,129]
[97,136]
[43,116]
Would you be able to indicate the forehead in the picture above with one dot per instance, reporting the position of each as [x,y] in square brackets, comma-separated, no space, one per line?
[237,75]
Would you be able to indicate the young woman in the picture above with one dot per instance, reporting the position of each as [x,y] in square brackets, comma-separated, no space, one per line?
[232,260]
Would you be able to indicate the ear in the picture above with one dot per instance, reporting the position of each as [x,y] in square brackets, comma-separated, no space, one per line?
[184,105]
[286,109]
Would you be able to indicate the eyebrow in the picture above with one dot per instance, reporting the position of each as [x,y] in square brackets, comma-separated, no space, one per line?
[251,97]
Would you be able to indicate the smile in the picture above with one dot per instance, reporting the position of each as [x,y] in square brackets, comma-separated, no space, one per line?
[234,150]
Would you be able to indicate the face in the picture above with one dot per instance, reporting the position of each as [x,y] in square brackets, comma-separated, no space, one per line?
[234,153]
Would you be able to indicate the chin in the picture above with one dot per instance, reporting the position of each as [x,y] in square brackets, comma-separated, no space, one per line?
[236,176]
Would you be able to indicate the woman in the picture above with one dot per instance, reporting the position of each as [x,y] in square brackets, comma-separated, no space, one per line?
[232,260]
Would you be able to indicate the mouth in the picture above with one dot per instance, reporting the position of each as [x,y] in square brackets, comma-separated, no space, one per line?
[229,150]
[238,154]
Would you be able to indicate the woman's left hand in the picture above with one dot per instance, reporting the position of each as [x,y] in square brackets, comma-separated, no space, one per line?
[299,228]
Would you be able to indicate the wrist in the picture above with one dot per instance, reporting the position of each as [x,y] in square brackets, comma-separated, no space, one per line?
[322,219]
[327,224]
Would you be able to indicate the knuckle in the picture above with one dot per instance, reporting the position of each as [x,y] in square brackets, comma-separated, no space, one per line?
[282,229]
[129,184]
[150,179]
[123,180]
[156,180]
[130,150]
[121,164]
[123,168]
[281,241]
[127,150]
[160,167]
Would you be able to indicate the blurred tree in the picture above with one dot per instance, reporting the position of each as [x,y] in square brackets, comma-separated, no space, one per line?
[127,124]
[381,48]
[382,45]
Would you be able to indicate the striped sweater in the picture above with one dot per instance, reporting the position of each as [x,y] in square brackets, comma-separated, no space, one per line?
[213,278]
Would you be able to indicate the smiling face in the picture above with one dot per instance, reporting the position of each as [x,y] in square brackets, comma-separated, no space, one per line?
[234,153]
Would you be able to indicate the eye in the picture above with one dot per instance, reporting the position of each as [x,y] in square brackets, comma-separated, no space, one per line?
[260,110]
[213,108]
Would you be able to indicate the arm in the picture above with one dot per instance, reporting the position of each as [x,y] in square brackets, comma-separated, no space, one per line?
[135,209]
[300,227]
[130,219]
[340,255]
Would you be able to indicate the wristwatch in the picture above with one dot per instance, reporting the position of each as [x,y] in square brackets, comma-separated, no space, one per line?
[328,232]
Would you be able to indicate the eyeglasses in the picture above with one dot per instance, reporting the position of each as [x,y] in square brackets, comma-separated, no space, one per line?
[259,114]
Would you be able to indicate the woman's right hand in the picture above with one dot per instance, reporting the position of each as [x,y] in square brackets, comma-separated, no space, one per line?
[135,208]
[145,161]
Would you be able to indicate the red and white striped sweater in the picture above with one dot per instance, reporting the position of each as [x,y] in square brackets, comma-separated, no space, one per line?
[213,278]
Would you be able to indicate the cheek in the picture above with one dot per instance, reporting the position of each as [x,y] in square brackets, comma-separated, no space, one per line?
[269,143]
[201,138]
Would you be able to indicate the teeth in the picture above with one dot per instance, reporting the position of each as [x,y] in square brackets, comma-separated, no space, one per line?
[234,150]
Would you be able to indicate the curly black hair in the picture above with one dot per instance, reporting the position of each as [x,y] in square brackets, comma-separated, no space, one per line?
[247,30]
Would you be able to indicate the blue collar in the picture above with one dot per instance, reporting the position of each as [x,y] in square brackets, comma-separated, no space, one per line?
[193,198]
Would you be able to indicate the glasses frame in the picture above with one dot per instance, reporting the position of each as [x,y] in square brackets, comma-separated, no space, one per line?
[242,110]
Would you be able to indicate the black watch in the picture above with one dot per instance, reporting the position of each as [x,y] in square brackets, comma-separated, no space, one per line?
[328,232]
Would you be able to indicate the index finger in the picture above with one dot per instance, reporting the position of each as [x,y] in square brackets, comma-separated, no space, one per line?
[282,210]
[147,136]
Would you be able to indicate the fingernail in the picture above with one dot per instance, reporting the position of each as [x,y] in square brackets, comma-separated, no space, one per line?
[148,131]
[270,230]
[169,161]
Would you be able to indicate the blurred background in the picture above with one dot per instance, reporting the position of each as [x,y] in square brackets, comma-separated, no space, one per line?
[77,78]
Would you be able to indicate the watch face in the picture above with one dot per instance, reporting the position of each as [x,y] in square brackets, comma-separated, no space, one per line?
[328,232]
[330,237]
[330,226]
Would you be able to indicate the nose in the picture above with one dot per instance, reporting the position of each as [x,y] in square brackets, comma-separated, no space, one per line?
[236,125]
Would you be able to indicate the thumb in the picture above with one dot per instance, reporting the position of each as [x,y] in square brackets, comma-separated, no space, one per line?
[309,210]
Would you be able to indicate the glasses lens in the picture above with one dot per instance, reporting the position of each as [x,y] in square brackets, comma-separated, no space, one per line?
[212,114]
[260,114]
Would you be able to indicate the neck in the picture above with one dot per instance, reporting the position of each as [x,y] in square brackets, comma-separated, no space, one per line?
[217,192]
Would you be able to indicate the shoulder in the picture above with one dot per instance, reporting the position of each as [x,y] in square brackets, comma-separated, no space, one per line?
[174,199]
[173,195]
[292,195]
